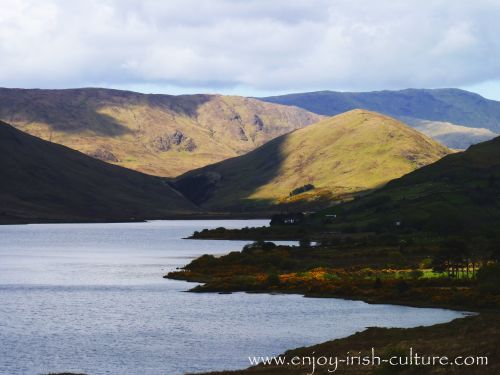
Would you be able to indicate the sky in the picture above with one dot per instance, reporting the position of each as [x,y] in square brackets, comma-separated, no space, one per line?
[251,47]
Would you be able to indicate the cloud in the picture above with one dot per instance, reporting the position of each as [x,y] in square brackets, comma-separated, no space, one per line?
[255,44]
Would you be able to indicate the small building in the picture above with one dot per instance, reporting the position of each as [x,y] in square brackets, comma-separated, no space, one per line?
[287,219]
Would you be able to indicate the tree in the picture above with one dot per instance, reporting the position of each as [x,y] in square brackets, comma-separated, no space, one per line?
[301,189]
[453,257]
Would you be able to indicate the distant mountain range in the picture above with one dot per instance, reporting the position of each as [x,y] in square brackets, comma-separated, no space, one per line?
[432,111]
[335,158]
[163,135]
[451,135]
[43,181]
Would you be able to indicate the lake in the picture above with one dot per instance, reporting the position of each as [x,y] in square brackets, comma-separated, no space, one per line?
[91,298]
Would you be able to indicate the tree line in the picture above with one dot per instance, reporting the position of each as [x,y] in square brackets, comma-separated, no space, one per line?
[461,258]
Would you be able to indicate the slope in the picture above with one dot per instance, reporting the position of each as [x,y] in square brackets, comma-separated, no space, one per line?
[163,135]
[458,193]
[334,158]
[43,181]
[454,136]
[453,106]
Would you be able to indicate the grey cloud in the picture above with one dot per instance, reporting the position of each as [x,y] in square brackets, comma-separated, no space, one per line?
[259,44]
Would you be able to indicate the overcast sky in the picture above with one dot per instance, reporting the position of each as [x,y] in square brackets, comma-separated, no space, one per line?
[251,47]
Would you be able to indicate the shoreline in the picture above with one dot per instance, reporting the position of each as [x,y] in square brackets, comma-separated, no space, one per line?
[234,274]
[469,319]
[474,317]
[436,339]
[466,310]
[207,216]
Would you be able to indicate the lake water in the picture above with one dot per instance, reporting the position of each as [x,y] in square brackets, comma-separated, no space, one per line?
[91,298]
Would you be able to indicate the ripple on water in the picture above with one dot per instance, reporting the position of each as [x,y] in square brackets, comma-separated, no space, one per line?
[91,298]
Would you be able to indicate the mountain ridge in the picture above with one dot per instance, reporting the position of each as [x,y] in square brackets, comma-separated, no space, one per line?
[455,106]
[337,157]
[159,134]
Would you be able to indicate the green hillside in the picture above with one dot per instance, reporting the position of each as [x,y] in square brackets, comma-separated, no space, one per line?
[163,135]
[333,159]
[457,193]
[42,181]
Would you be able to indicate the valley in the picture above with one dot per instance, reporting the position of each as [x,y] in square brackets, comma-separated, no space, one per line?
[163,135]
[383,213]
[228,187]
[334,159]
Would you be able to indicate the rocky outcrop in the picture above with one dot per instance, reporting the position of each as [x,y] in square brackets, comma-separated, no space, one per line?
[104,154]
[189,145]
[241,135]
[258,123]
[146,131]
[177,137]
[161,143]
[177,141]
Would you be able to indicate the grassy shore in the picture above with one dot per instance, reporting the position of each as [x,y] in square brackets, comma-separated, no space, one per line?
[375,269]
[471,336]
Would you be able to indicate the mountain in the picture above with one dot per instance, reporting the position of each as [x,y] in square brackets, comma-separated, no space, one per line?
[454,106]
[458,193]
[347,154]
[163,135]
[454,136]
[42,181]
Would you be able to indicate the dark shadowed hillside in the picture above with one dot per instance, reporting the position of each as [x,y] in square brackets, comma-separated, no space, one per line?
[42,181]
[457,193]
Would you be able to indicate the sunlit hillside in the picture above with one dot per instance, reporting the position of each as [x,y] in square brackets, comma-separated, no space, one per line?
[336,157]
